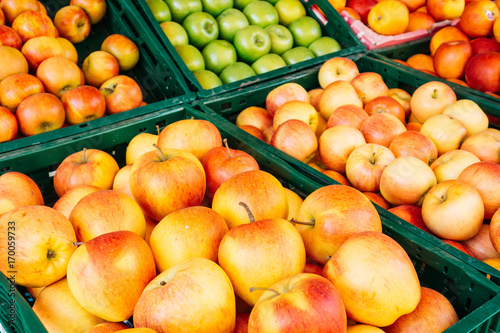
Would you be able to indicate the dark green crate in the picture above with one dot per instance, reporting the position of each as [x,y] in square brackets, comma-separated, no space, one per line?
[229,105]
[336,28]
[403,52]
[155,72]
[475,298]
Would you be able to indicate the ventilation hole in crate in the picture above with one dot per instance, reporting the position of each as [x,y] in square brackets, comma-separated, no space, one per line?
[5,169]
[243,101]
[53,167]
[472,286]
[142,130]
[445,269]
[468,303]
[83,125]
[419,249]
[161,123]
[225,106]
[76,138]
[418,255]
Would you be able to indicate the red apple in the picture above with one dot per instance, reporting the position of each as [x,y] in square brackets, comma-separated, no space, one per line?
[123,49]
[98,67]
[495,230]
[31,24]
[72,24]
[386,104]
[449,165]
[413,143]
[451,58]
[362,7]
[95,9]
[255,116]
[16,190]
[483,45]
[411,214]
[284,93]
[382,128]
[350,115]
[481,245]
[122,93]
[67,202]
[336,94]
[12,8]
[8,125]
[485,145]
[430,99]
[336,144]
[38,49]
[17,62]
[39,113]
[15,88]
[9,37]
[369,85]
[482,72]
[296,138]
[59,74]
[337,68]
[458,246]
[83,103]
[477,18]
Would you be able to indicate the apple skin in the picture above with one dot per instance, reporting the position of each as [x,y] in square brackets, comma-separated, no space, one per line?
[268,62]
[195,295]
[15,88]
[289,11]
[287,310]
[83,103]
[59,74]
[350,115]
[202,28]
[281,38]
[121,93]
[447,132]
[481,245]
[485,145]
[337,68]
[98,67]
[453,210]
[101,283]
[386,104]
[469,113]
[451,58]
[382,128]
[86,167]
[336,94]
[296,138]
[16,60]
[482,72]
[207,79]
[218,54]
[431,99]
[336,144]
[10,37]
[230,21]
[38,49]
[280,253]
[16,190]
[255,116]
[411,214]
[44,244]
[107,327]
[413,143]
[261,13]
[8,125]
[362,7]
[67,202]
[442,10]
[183,187]
[59,311]
[72,23]
[296,110]
[140,144]
[372,262]
[449,165]
[495,230]
[483,45]
[31,24]
[12,8]
[40,113]
[285,93]
[324,45]
[123,49]
[236,72]
[252,42]
[95,9]
[180,9]
[330,211]
[297,54]
[305,30]
[191,56]
[369,85]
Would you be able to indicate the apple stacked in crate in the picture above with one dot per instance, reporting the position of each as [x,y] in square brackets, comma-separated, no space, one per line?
[42,88]
[225,41]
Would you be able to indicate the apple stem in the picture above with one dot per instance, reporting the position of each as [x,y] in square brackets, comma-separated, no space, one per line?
[300,222]
[162,156]
[227,147]
[162,283]
[373,158]
[158,129]
[76,243]
[435,94]
[249,212]
[51,254]
[252,289]
[84,155]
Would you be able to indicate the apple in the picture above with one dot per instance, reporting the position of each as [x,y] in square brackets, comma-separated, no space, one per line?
[431,99]
[481,245]
[69,49]
[295,138]
[451,58]
[160,10]
[294,203]
[252,42]
[12,8]
[289,11]
[196,136]
[230,21]
[175,32]
[95,9]
[363,328]
[365,165]
[216,7]
[403,97]
[446,34]
[191,56]
[483,45]
[121,93]
[386,104]
[72,24]
[382,128]
[16,190]
[280,253]
[362,7]
[67,202]
[281,38]
[446,131]
[337,68]
[336,144]
[336,94]
[17,62]
[236,72]
[38,49]
[85,167]
[442,10]
[484,177]
[99,280]
[43,245]
[350,115]
[406,180]
[453,210]
[297,54]
[195,295]
[296,110]
[241,4]
[140,144]
[83,103]
[418,20]
[10,37]
[123,49]
[372,263]
[477,19]
[482,72]
[207,79]
[283,93]
[283,306]
[324,45]
[218,54]
[253,131]
[369,85]
[261,13]
[389,18]
[221,163]
[485,145]
[411,214]
[495,230]
[59,74]
[183,187]
[180,9]
[202,28]
[413,143]
[15,88]
[449,165]
[268,62]
[121,184]
[8,125]
[59,311]
[470,114]
[256,116]
[107,327]
[98,67]
[40,113]
[326,216]
[434,312]
[31,24]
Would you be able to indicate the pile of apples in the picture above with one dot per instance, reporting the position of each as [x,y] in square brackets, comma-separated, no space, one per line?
[223,41]
[43,86]
[427,157]
[192,235]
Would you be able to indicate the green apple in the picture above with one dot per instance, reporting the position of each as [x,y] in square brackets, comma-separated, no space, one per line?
[191,56]
[175,33]
[218,54]
[251,43]
[215,7]
[281,38]
[261,13]
[180,9]
[305,30]
[241,4]
[207,79]
[268,62]
[160,10]
[202,28]
[235,72]
[289,11]
[272,2]
[324,45]
[230,21]
[297,54]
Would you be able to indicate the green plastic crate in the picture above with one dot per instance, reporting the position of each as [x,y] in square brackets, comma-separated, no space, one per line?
[229,105]
[403,52]
[155,72]
[336,28]
[475,298]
